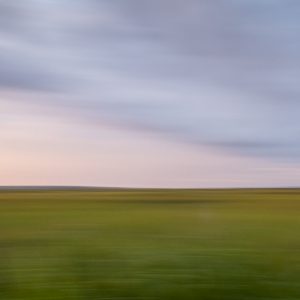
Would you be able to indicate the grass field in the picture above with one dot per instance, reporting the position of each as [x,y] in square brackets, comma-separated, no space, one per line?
[143,244]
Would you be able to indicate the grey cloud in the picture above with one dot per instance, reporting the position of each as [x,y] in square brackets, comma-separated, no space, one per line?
[23,74]
[224,73]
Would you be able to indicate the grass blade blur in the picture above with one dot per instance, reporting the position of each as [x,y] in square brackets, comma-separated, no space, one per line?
[150,244]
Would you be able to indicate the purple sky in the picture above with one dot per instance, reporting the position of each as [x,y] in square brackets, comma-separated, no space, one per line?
[175,93]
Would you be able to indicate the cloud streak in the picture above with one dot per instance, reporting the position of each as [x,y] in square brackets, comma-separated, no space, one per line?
[223,73]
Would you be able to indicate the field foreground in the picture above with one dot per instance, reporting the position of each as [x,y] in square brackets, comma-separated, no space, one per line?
[150,244]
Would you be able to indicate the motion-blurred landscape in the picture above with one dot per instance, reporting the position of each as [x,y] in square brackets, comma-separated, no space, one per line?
[149,150]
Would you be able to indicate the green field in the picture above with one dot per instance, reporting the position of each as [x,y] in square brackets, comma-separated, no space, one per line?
[150,244]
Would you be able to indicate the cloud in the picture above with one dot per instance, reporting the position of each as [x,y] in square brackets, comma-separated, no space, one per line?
[223,73]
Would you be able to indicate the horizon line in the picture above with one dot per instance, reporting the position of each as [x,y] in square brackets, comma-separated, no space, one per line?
[83,187]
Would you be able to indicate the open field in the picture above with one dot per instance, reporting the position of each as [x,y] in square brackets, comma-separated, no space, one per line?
[150,244]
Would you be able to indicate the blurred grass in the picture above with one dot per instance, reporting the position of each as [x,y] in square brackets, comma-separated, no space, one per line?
[150,244]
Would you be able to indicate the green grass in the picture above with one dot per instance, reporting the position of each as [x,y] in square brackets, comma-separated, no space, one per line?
[143,244]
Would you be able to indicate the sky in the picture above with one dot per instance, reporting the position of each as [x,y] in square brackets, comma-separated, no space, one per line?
[160,93]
